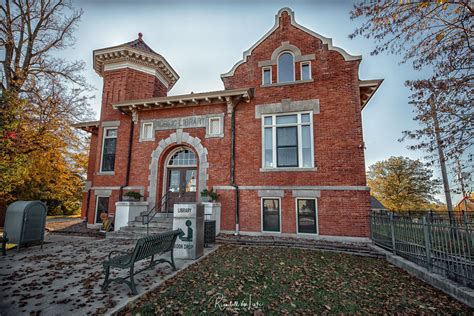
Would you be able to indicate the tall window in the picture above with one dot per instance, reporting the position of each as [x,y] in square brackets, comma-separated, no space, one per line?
[288,140]
[286,68]
[306,71]
[271,214]
[108,149]
[266,76]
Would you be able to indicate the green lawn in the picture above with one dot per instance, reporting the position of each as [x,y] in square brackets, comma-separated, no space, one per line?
[284,280]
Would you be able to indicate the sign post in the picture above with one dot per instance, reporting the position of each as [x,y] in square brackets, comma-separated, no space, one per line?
[190,218]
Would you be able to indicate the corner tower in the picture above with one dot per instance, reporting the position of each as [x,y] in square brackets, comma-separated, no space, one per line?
[131,71]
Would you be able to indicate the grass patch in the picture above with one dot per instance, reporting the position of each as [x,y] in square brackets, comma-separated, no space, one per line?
[285,280]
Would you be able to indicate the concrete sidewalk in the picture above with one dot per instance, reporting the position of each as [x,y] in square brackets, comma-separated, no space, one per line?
[64,277]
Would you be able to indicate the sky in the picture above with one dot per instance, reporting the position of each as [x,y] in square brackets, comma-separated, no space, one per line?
[203,39]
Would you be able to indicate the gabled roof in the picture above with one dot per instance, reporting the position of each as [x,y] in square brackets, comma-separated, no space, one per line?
[376,204]
[367,89]
[140,44]
[326,41]
[90,127]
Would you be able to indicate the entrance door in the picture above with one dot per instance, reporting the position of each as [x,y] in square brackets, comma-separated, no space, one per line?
[181,186]
[181,178]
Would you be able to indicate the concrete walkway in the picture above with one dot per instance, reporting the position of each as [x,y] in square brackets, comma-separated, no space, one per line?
[64,277]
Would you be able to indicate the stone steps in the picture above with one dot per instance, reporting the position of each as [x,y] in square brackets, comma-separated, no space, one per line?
[348,248]
[163,224]
[141,229]
[159,214]
[154,219]
[121,234]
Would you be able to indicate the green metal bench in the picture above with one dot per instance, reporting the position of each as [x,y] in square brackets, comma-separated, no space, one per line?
[146,247]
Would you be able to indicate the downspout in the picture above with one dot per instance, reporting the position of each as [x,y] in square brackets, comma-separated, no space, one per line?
[232,170]
[130,142]
[87,204]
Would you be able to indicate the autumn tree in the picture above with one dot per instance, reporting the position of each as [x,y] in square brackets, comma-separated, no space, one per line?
[435,36]
[402,184]
[41,155]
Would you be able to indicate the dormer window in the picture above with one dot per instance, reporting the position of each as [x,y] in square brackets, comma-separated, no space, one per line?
[286,67]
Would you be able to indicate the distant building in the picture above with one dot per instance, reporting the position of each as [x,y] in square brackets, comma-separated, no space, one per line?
[466,204]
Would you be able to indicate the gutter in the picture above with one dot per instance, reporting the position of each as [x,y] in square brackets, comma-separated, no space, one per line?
[130,142]
[232,171]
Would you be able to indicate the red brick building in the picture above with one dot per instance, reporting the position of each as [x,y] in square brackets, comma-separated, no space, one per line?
[282,144]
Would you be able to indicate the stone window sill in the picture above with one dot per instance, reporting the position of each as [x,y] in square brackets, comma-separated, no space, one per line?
[288,169]
[277,84]
[106,173]
[141,140]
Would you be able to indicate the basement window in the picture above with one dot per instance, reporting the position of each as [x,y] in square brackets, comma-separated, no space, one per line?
[271,215]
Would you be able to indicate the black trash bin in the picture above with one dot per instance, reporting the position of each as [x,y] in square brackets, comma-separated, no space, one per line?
[209,233]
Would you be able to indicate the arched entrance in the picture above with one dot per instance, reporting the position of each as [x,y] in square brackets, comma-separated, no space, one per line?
[158,164]
[180,177]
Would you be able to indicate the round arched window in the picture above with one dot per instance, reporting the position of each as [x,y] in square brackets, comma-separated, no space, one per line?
[286,67]
[183,157]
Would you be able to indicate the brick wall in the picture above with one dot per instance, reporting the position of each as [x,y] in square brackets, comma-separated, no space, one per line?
[338,153]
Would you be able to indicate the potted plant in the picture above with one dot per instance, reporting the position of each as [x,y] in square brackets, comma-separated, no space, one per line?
[209,195]
[132,196]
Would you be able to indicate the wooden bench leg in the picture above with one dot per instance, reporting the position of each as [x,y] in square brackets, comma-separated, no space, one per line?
[106,280]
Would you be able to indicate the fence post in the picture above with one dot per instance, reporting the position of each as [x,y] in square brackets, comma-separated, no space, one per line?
[392,230]
[426,229]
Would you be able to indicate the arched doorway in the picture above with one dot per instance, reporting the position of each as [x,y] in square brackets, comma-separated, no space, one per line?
[180,180]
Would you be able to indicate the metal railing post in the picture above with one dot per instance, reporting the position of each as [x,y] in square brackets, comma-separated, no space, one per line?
[392,230]
[426,230]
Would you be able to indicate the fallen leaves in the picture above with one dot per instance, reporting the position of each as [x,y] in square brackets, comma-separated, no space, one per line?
[293,281]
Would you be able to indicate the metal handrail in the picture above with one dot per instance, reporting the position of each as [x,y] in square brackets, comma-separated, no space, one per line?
[151,214]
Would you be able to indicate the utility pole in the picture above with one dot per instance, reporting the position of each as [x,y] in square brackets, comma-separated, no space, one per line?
[442,161]
[461,181]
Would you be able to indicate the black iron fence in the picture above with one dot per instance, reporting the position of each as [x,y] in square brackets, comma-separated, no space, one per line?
[435,241]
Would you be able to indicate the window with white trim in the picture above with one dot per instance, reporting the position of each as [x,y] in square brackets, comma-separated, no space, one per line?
[271,215]
[147,131]
[109,144]
[307,217]
[286,67]
[306,71]
[214,126]
[288,140]
[266,75]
